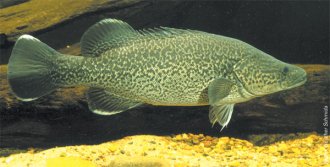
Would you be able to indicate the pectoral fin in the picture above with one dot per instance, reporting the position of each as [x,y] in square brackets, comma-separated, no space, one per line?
[103,102]
[219,89]
[221,114]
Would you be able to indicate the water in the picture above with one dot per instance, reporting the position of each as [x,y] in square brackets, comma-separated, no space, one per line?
[294,32]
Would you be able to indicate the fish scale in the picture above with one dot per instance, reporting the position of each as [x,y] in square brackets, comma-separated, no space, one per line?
[148,67]
[125,68]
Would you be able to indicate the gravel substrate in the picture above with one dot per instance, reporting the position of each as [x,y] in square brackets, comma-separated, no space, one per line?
[179,151]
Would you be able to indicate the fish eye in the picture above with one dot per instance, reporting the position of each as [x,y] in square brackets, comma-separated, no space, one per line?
[285,69]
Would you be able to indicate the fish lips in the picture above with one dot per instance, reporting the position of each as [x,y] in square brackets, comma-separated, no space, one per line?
[296,82]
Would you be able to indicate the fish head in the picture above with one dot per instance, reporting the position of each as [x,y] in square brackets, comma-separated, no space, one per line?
[262,74]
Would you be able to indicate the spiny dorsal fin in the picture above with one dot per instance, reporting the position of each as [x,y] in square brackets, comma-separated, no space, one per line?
[162,32]
[103,102]
[104,35]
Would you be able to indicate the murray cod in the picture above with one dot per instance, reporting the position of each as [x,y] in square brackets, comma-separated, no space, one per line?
[125,68]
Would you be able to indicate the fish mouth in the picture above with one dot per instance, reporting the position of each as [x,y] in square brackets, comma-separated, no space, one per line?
[298,82]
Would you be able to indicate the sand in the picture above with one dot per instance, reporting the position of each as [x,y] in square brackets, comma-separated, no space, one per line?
[179,151]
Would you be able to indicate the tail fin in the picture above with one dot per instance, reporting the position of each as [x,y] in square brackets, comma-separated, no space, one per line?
[29,68]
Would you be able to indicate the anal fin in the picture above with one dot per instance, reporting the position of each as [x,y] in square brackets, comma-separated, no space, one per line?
[221,114]
[103,102]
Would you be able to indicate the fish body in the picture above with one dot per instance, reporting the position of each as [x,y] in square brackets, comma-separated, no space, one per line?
[174,69]
[165,66]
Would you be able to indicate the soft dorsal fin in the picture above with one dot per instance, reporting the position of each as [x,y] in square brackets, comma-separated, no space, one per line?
[104,35]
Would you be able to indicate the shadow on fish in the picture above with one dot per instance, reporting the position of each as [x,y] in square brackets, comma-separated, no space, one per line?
[125,68]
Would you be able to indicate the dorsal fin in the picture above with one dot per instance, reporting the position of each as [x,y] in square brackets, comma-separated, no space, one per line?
[105,34]
[111,33]
[164,32]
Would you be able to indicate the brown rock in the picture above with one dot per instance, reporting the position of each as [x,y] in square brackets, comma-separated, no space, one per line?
[30,16]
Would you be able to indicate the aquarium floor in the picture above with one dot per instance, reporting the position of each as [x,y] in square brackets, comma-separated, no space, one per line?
[179,150]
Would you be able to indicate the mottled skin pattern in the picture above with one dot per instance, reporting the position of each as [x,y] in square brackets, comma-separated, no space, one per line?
[171,69]
[162,66]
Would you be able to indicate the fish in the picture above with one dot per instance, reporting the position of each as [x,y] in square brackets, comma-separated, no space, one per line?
[125,68]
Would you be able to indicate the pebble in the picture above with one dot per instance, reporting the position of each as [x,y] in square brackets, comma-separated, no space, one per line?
[178,138]
[191,149]
[195,141]
[235,163]
[185,136]
[207,143]
[112,148]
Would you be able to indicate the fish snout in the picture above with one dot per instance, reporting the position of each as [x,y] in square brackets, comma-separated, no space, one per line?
[297,77]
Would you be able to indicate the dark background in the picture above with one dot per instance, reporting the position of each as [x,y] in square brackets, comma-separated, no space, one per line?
[293,31]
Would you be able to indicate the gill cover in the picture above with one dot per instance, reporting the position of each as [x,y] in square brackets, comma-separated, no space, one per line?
[260,73]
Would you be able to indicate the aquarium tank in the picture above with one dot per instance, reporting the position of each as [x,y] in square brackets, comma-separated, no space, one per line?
[148,83]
